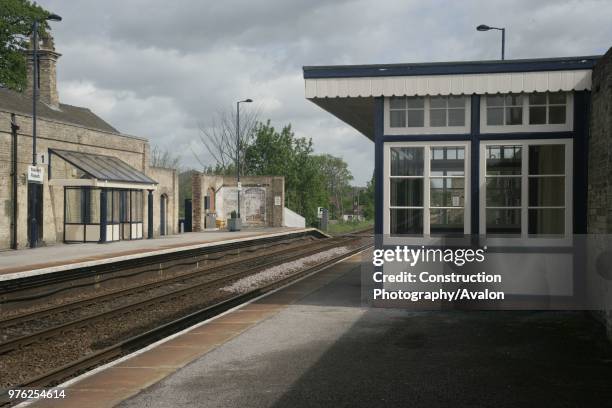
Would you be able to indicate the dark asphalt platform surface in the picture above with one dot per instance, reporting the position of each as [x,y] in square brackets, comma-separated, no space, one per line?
[328,351]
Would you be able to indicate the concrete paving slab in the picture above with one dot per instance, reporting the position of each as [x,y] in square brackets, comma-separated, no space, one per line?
[245,316]
[326,350]
[85,398]
[130,378]
[167,357]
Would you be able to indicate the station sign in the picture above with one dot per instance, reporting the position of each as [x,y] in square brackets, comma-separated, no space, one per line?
[36,174]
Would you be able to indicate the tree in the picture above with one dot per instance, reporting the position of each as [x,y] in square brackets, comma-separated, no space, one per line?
[16,19]
[281,153]
[366,199]
[337,182]
[218,139]
[164,158]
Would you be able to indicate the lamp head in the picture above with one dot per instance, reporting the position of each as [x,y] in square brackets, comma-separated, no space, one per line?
[483,27]
[54,17]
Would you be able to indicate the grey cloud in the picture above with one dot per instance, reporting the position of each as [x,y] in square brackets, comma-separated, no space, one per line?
[156,68]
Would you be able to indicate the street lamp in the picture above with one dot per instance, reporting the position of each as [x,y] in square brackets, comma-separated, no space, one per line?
[238,149]
[484,27]
[33,190]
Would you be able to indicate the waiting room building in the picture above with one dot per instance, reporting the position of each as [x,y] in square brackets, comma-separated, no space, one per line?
[97,183]
[494,148]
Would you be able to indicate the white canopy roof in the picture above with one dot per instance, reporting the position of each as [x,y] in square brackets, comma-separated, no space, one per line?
[488,83]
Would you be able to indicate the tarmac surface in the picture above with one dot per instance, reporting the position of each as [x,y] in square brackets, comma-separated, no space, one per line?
[326,350]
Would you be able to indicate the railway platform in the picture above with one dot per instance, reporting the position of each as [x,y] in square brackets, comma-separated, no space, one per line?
[27,262]
[313,343]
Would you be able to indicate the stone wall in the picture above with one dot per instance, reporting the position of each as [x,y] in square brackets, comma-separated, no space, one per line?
[204,184]
[58,135]
[197,204]
[599,220]
[168,186]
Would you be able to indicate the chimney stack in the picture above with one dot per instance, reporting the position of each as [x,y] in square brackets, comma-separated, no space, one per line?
[47,74]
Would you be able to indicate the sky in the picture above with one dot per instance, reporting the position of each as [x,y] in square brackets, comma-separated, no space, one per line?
[163,69]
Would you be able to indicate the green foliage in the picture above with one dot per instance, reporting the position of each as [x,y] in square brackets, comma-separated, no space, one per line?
[366,199]
[346,227]
[337,178]
[16,19]
[311,181]
[274,153]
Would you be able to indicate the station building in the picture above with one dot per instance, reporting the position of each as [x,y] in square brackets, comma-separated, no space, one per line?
[481,147]
[513,155]
[97,185]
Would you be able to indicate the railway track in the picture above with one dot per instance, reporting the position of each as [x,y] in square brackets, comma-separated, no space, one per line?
[210,279]
[199,266]
[174,296]
[47,284]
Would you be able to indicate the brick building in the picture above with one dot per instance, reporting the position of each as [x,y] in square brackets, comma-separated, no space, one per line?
[262,200]
[97,185]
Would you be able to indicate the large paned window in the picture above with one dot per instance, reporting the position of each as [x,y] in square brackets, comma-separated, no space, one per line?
[426,186]
[547,108]
[407,185]
[407,112]
[427,115]
[82,205]
[73,206]
[527,189]
[447,190]
[546,190]
[538,111]
[504,110]
[503,189]
[446,111]
[137,205]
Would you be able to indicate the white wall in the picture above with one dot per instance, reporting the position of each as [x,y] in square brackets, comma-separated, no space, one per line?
[293,219]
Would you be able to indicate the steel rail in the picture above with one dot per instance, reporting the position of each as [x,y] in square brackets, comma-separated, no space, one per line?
[198,272]
[84,273]
[144,339]
[29,282]
[44,334]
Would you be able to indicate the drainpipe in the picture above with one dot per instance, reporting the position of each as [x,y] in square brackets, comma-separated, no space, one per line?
[14,129]
[150,214]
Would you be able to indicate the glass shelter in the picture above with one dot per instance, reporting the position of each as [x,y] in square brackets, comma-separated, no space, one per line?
[103,196]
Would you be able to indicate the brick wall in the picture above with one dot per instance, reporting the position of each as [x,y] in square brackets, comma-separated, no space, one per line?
[599,220]
[168,186]
[197,204]
[274,185]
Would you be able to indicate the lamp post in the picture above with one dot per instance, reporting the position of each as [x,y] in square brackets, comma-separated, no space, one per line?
[238,150]
[484,27]
[33,191]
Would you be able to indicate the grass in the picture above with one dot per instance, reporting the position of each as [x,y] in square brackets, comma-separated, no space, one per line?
[345,227]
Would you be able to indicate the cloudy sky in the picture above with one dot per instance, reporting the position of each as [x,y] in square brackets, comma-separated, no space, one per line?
[160,69]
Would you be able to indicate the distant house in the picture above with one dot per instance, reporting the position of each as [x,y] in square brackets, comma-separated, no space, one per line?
[97,186]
